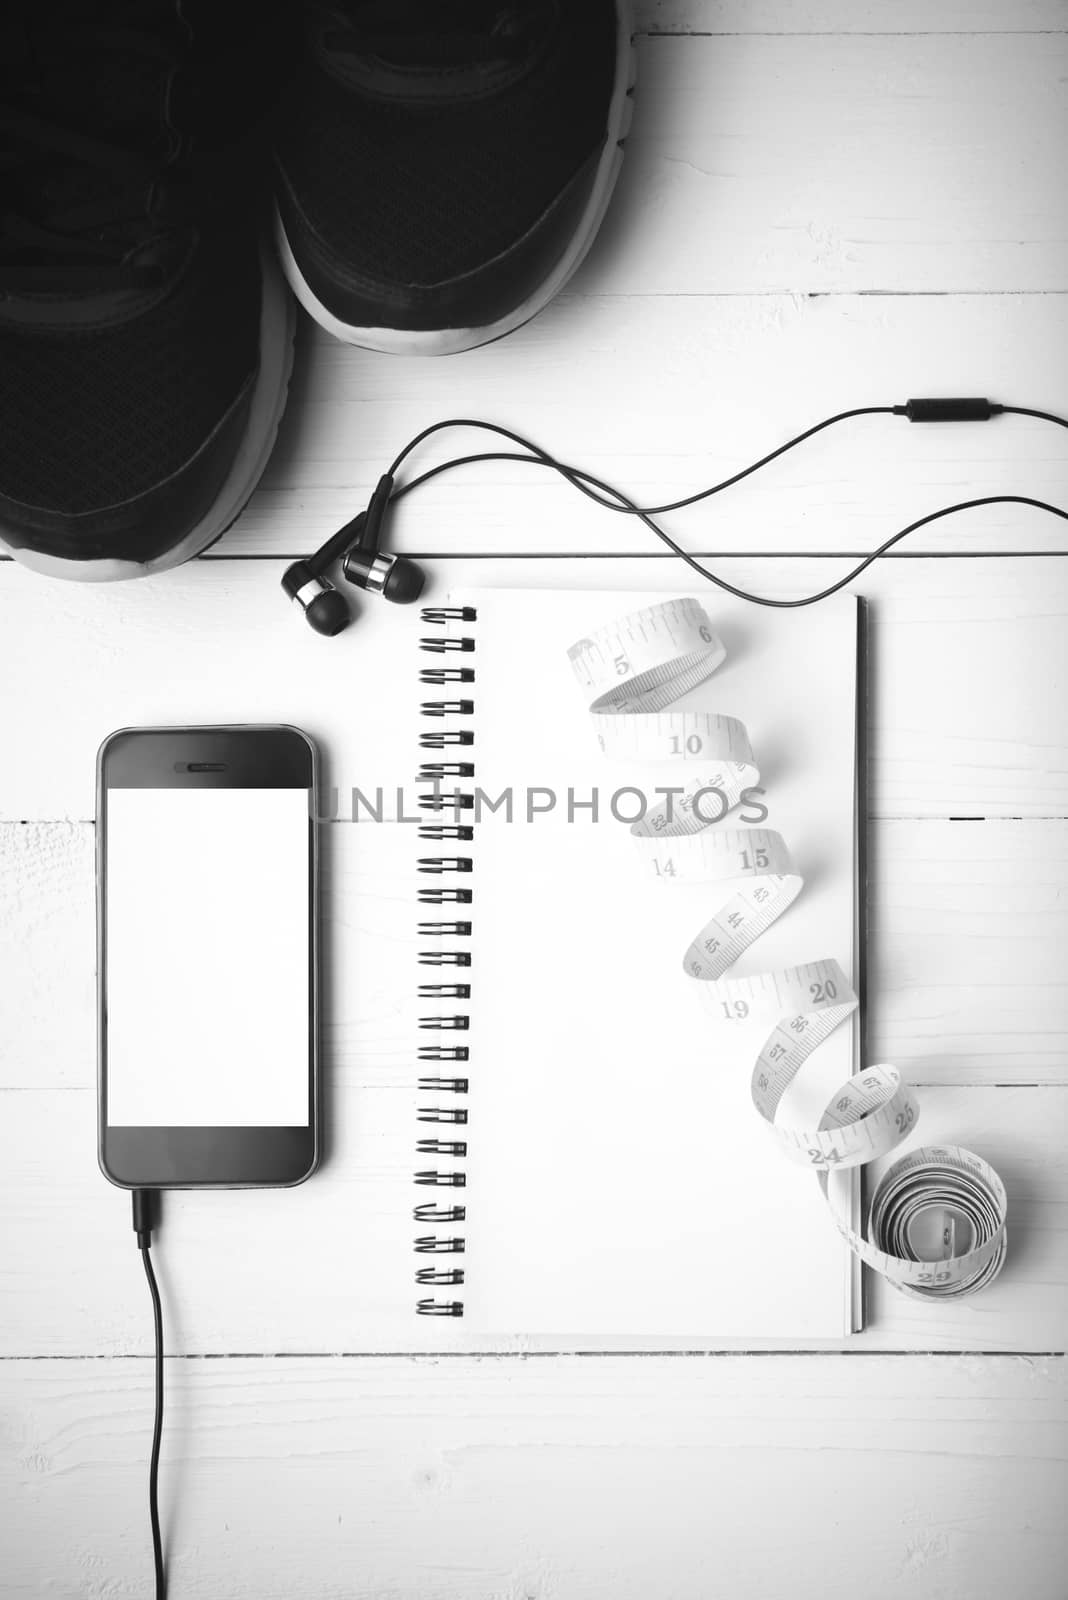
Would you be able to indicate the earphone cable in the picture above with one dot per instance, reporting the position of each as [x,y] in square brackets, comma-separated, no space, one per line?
[669,505]
[143,1208]
[589,485]
[1029,411]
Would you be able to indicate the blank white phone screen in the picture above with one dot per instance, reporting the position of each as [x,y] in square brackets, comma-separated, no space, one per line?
[207,988]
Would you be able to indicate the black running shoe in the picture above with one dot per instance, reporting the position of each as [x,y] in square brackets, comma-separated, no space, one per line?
[145,335]
[444,165]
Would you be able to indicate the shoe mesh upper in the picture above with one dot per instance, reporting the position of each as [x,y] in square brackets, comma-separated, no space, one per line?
[129,258]
[91,417]
[417,193]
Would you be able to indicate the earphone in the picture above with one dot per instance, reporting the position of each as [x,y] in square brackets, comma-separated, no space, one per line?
[399,579]
[358,545]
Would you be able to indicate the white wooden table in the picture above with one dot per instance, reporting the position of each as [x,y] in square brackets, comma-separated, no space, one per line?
[824,204]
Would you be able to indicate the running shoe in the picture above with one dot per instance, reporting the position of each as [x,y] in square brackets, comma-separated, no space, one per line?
[443,166]
[145,330]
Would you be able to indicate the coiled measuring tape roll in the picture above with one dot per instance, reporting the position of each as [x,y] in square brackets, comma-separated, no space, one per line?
[936,1223]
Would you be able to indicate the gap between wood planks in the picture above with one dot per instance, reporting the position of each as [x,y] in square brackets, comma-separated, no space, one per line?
[532,1355]
[849,33]
[655,555]
[904,816]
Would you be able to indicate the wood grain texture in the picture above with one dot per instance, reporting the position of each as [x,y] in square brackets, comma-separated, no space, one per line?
[850,16]
[968,697]
[837,163]
[942,1479]
[665,395]
[329,1266]
[967,934]
[968,925]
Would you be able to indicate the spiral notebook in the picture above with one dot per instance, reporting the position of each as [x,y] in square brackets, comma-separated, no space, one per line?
[589,1160]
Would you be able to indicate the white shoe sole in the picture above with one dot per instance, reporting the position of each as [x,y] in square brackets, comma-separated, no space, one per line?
[450,341]
[277,332]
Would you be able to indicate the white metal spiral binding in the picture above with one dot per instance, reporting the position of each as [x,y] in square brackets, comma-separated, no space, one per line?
[446,950]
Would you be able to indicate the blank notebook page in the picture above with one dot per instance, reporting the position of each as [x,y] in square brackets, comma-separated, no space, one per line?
[619,1179]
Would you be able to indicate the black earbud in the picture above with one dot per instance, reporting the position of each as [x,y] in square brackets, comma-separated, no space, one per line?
[364,564]
[326,610]
[367,567]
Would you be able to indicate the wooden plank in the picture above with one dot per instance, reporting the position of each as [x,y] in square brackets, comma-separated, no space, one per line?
[666,395]
[966,718]
[968,928]
[837,163]
[850,16]
[938,1478]
[47,955]
[968,932]
[328,1267]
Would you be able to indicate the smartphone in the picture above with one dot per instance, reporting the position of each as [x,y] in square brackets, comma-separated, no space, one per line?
[207,936]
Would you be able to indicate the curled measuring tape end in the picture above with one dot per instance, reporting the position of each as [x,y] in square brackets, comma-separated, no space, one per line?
[936,1225]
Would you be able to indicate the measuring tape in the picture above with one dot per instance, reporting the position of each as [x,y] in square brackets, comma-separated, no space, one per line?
[936,1223]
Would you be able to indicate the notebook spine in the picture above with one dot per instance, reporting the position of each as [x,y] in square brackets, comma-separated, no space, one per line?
[446,883]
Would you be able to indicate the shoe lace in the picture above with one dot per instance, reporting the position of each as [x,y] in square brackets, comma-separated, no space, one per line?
[441,32]
[82,209]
